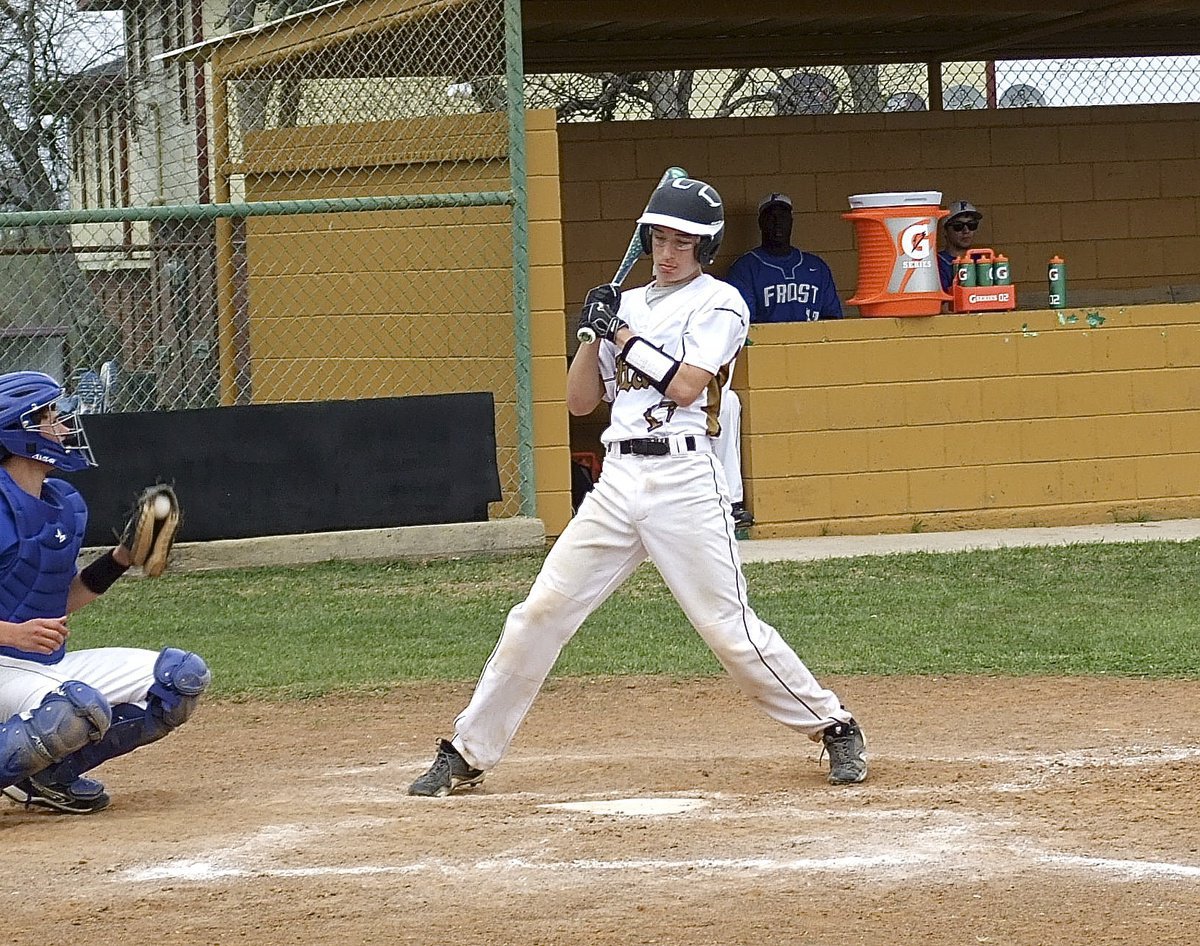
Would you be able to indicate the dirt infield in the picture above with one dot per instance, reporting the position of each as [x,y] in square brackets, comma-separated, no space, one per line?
[1043,811]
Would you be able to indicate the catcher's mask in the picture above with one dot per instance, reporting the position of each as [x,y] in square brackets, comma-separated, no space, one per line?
[24,395]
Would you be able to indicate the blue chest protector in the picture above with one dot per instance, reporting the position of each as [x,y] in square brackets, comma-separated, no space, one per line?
[49,533]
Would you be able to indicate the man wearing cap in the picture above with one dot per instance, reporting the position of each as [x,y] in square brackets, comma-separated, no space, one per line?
[958,229]
[779,282]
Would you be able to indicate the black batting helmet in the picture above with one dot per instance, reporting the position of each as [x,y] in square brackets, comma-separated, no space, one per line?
[689,206]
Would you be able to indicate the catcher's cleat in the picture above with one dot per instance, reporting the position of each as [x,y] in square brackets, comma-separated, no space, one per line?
[448,773]
[84,796]
[847,753]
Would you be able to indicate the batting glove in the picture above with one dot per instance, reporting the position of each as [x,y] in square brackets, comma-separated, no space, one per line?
[601,320]
[606,294]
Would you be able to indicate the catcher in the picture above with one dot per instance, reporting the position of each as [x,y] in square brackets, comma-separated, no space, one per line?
[64,713]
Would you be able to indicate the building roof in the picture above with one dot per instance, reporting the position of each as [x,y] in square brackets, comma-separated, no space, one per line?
[631,35]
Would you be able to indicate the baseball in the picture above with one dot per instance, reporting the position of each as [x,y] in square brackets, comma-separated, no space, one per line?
[162,506]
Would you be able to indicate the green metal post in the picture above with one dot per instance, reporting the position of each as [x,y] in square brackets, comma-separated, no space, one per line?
[515,81]
[261,208]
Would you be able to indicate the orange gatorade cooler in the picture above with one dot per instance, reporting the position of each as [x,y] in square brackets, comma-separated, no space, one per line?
[897,253]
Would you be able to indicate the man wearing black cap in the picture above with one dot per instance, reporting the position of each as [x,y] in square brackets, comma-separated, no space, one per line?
[958,229]
[779,282]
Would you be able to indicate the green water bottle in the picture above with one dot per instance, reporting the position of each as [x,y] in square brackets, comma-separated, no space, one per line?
[1001,276]
[983,271]
[1056,275]
[964,271]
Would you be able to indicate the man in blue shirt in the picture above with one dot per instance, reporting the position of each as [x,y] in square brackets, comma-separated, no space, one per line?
[779,282]
[958,229]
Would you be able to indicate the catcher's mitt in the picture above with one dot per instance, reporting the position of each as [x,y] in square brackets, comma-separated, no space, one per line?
[151,529]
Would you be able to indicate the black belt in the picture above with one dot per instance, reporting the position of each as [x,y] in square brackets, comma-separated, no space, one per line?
[648,447]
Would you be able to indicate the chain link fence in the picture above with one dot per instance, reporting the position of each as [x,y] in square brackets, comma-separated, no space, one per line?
[307,205]
[897,87]
[219,202]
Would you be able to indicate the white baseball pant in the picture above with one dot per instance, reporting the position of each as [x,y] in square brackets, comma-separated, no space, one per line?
[674,510]
[122,674]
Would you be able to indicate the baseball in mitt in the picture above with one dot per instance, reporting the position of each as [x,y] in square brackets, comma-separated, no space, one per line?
[151,529]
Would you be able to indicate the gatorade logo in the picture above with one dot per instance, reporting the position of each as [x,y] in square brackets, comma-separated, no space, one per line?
[1053,273]
[914,240]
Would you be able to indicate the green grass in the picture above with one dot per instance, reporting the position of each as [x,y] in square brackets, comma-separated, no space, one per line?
[1129,609]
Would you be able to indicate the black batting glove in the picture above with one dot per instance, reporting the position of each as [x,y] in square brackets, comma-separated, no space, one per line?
[606,294]
[601,320]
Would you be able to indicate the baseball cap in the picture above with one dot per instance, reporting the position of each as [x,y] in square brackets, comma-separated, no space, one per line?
[963,208]
[774,198]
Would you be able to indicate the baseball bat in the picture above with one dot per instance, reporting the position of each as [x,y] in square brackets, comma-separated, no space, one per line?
[632,253]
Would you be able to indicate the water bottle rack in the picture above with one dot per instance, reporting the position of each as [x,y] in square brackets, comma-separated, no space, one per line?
[983,298]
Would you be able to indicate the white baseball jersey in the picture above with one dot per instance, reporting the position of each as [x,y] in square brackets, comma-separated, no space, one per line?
[673,508]
[703,324]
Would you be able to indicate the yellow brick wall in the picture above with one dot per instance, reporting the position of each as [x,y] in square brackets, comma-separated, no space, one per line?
[946,422]
[1019,419]
[395,303]
[1115,191]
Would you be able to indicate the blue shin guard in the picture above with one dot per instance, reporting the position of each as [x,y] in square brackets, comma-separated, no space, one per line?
[68,719]
[179,679]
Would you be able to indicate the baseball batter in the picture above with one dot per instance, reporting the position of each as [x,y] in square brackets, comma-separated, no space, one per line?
[63,713]
[663,357]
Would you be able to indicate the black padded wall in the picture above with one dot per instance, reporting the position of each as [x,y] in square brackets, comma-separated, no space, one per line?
[283,469]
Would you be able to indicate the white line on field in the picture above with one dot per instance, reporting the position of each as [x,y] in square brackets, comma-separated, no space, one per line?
[1134,870]
[882,844]
[208,871]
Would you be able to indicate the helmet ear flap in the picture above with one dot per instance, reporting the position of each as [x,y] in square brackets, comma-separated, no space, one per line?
[706,249]
[644,237]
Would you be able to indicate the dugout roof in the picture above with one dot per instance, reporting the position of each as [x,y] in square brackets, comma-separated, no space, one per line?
[634,35]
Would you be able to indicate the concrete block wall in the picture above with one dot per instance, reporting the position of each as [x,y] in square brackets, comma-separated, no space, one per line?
[954,422]
[1113,190]
[875,425]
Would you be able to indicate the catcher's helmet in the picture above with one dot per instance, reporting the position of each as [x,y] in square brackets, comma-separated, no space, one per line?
[690,206]
[23,396]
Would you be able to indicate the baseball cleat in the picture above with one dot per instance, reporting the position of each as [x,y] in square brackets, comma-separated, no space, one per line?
[84,796]
[448,773]
[847,753]
[742,517]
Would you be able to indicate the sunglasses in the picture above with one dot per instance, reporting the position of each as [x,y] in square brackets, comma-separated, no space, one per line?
[972,225]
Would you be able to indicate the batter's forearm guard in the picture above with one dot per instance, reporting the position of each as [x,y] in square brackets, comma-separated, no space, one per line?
[651,361]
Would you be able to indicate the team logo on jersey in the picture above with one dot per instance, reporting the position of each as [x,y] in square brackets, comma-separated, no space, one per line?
[666,408]
[785,292]
[630,379]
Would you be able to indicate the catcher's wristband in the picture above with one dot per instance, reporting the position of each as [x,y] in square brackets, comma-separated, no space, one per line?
[99,576]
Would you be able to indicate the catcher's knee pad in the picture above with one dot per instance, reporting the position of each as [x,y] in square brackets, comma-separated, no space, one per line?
[66,720]
[179,678]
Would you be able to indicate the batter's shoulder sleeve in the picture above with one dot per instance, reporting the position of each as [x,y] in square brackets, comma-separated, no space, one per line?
[717,328]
